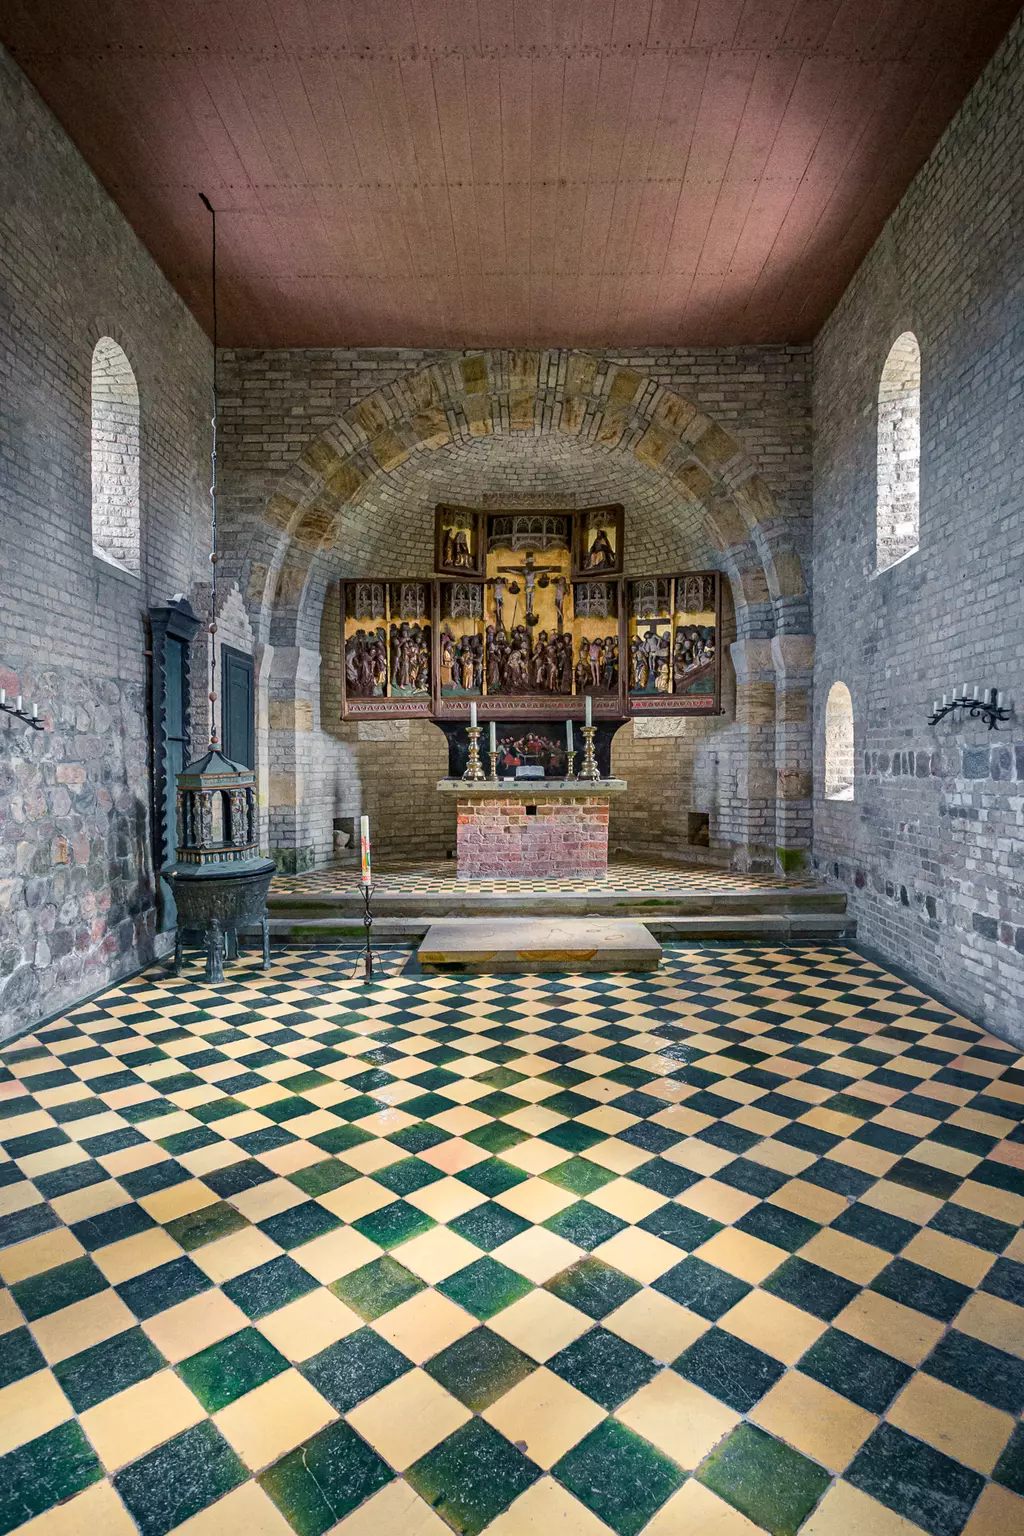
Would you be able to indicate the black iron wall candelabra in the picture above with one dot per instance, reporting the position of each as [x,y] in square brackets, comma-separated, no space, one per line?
[987,707]
[28,715]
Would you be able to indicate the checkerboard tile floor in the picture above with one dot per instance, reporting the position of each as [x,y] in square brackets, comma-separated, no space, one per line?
[422,877]
[727,1249]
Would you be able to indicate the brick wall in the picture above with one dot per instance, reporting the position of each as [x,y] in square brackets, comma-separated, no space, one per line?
[76,885]
[931,849]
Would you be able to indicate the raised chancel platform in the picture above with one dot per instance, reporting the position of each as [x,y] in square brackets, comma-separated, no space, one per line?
[518,945]
[547,829]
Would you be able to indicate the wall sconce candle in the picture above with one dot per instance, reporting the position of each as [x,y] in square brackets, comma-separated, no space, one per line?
[29,715]
[989,707]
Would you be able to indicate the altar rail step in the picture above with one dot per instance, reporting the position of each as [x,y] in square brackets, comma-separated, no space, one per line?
[650,906]
[779,927]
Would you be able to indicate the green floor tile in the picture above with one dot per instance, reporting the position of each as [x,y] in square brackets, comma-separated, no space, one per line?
[45,1472]
[321,1178]
[99,1372]
[59,1287]
[620,1476]
[206,1225]
[769,1482]
[319,1483]
[471,1477]
[485,1287]
[593,1287]
[408,1175]
[573,1137]
[496,1137]
[584,1224]
[227,1370]
[579,1175]
[167,1486]
[492,1177]
[377,1287]
[394,1224]
[479,1368]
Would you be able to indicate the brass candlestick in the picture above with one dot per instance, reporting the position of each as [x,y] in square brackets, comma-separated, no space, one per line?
[494,763]
[589,770]
[474,768]
[570,771]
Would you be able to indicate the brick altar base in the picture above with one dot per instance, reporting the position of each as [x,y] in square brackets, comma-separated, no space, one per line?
[549,830]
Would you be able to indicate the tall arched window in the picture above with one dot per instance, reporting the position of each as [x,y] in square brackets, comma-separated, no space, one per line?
[839,758]
[115,456]
[899,453]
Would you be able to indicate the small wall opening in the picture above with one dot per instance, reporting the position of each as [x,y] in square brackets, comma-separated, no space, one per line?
[839,756]
[115,457]
[899,453]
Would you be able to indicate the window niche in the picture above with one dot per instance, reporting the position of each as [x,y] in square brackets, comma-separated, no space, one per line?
[115,458]
[839,755]
[898,509]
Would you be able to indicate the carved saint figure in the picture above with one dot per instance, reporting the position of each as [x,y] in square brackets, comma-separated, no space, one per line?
[600,555]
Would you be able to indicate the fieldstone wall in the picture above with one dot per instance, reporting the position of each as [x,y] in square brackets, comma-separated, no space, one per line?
[76,880]
[931,848]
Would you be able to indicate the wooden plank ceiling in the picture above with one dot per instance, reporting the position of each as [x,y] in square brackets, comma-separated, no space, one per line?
[507,172]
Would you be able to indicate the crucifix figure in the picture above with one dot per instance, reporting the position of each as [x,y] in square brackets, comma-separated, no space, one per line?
[529,572]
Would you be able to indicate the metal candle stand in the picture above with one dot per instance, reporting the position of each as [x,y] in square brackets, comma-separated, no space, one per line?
[988,710]
[494,764]
[474,768]
[28,715]
[367,895]
[589,768]
[570,771]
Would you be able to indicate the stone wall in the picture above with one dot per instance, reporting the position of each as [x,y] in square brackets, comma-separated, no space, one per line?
[277,405]
[76,882]
[931,849]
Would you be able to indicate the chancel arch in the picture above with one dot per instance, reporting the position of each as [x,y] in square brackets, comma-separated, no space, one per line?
[539,429]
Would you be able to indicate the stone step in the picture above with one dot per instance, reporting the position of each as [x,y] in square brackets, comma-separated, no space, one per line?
[777,927]
[512,946]
[652,904]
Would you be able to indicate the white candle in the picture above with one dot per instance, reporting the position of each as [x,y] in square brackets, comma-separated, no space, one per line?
[364,849]
[494,739]
[32,711]
[18,705]
[472,714]
[3,696]
[935,706]
[963,690]
[590,710]
[975,690]
[943,701]
[568,737]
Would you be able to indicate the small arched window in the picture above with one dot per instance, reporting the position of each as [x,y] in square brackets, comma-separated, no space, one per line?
[899,453]
[115,457]
[839,743]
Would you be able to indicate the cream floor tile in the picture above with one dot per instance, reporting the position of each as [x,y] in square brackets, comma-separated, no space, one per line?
[618,1156]
[34,1255]
[960,1426]
[271,1419]
[245,1512]
[268,1199]
[534,1156]
[898,1330]
[30,1407]
[446,1199]
[127,1425]
[81,1325]
[544,1508]
[537,1254]
[134,1255]
[845,1511]
[233,1255]
[773,1326]
[639,1254]
[696,1511]
[436,1254]
[357,1199]
[194,1324]
[408,1418]
[83,1203]
[395,1511]
[818,1422]
[10,1313]
[701,1156]
[540,1324]
[455,1155]
[424,1325]
[995,1321]
[897,1200]
[627,1200]
[545,1415]
[18,1197]
[534,1119]
[535,1199]
[308,1325]
[742,1255]
[335,1254]
[369,1155]
[290,1158]
[678,1417]
[179,1200]
[719,1201]
[997,1513]
[846,1256]
[819,1205]
[657,1325]
[948,1256]
[96,1511]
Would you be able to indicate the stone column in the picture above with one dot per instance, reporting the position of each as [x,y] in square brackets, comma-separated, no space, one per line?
[293,717]
[748,785]
[794,663]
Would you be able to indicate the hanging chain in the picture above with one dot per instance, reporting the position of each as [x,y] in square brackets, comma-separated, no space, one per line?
[213,484]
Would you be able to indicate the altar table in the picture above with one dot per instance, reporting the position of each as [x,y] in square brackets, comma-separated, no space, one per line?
[540,829]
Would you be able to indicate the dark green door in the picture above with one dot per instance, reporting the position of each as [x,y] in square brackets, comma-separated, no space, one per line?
[238,713]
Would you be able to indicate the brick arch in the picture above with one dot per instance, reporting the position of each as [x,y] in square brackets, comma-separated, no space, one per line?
[280,558]
[611,408]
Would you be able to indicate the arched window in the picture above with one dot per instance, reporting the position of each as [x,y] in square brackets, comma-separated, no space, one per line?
[115,457]
[899,453]
[839,743]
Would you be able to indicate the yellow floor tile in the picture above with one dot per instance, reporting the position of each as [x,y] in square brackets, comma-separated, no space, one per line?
[30,1407]
[288,1159]
[424,1325]
[81,1325]
[606,1119]
[657,1325]
[308,1325]
[537,1254]
[540,1324]
[194,1324]
[368,1156]
[395,1509]
[535,1199]
[545,1415]
[997,1513]
[357,1199]
[718,1201]
[455,1155]
[948,1256]
[124,1427]
[460,1120]
[955,1423]
[269,1199]
[64,1156]
[627,1200]
[999,1203]
[845,1511]
[10,1313]
[855,1154]
[678,1417]
[245,1512]
[233,1255]
[446,1199]
[534,1119]
[742,1255]
[773,1325]
[134,1255]
[820,1205]
[96,1511]
[544,1508]
[993,1320]
[179,1200]
[777,1155]
[273,1418]
[38,1253]
[18,1197]
[911,1204]
[616,1156]
[207,1159]
[889,1326]
[83,1203]
[696,1511]
[846,1256]
[437,1254]
[818,1422]
[335,1254]
[639,1254]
